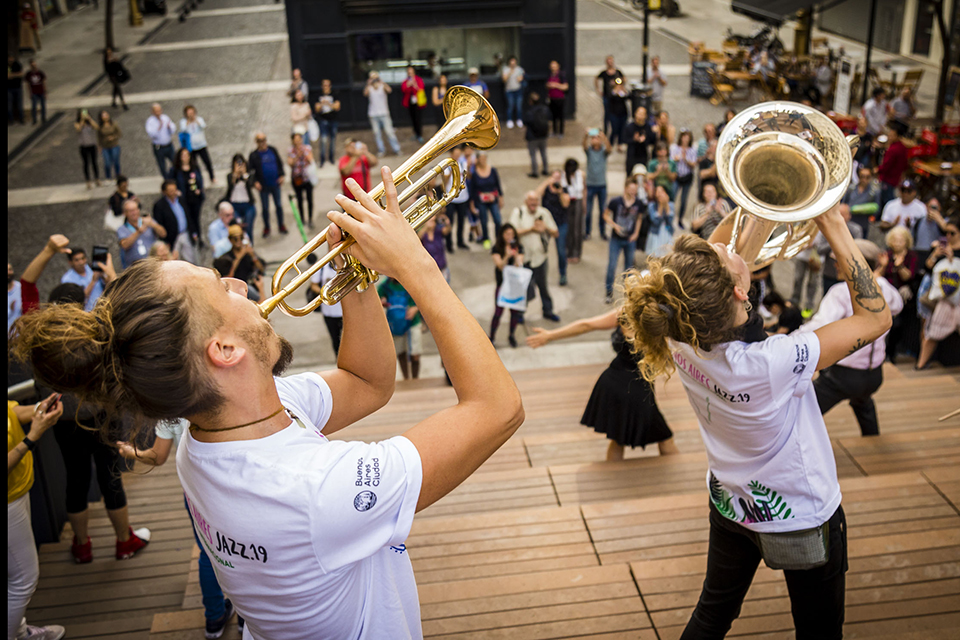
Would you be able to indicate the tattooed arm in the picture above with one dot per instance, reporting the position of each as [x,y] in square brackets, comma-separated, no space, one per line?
[871,318]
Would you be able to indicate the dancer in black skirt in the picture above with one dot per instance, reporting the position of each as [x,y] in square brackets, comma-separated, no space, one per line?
[622,404]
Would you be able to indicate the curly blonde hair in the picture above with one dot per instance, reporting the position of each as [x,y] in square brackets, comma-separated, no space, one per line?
[687,296]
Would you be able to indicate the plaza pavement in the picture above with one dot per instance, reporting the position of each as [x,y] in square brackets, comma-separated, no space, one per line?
[231,60]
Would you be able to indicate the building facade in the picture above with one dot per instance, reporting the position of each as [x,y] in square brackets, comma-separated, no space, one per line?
[343,40]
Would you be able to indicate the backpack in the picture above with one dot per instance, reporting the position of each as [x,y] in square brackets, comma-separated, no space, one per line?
[540,126]
[397,303]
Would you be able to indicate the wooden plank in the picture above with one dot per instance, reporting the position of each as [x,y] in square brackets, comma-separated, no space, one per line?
[564,629]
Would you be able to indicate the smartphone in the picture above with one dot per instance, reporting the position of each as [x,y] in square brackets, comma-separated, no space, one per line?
[99,254]
[943,242]
[593,132]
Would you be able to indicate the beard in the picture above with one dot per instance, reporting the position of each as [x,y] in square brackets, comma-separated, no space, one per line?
[10,278]
[285,357]
[259,339]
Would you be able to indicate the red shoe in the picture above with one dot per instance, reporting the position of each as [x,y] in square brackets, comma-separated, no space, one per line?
[266,233]
[82,553]
[283,230]
[138,540]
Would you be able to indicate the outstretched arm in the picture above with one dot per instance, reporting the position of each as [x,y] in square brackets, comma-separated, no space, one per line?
[56,244]
[606,321]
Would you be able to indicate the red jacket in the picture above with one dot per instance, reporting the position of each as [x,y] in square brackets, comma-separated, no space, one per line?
[410,87]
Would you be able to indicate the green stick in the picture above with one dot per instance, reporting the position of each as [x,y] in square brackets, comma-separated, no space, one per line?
[296,216]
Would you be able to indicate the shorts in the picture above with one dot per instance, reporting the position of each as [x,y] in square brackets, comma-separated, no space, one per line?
[411,342]
[945,320]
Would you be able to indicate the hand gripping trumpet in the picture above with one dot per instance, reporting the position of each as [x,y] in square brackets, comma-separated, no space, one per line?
[470,120]
[784,164]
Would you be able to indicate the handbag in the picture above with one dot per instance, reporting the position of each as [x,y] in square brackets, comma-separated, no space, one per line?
[312,175]
[513,291]
[112,221]
[421,98]
[796,550]
[184,138]
[313,130]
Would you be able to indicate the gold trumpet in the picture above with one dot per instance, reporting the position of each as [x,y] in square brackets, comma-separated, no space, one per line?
[783,164]
[469,120]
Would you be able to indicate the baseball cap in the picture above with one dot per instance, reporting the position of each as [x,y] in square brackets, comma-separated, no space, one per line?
[908,184]
[639,170]
[235,230]
[473,71]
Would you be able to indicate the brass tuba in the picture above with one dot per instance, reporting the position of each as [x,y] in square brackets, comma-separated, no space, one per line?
[783,164]
[469,120]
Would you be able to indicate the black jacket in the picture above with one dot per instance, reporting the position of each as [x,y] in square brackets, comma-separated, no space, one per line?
[164,215]
[537,114]
[256,167]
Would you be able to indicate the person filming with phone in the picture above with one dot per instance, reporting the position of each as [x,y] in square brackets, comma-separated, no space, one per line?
[91,278]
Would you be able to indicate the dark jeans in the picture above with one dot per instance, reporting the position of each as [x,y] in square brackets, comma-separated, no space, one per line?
[816,595]
[265,195]
[117,93]
[458,212]
[617,123]
[494,209]
[204,155]
[213,601]
[247,212]
[556,111]
[684,189]
[561,241]
[328,140]
[538,145]
[161,154]
[838,383]
[78,446]
[416,118]
[601,195]
[619,245]
[540,280]
[111,161]
[38,100]
[335,327]
[15,105]
[575,235]
[305,188]
[514,104]
[89,155]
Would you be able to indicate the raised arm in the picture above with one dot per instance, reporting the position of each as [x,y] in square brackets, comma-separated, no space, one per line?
[455,442]
[56,244]
[871,318]
[606,321]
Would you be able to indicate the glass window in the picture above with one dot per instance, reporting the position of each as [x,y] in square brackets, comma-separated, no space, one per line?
[432,52]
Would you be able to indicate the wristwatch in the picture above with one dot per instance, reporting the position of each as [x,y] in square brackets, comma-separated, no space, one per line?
[31,444]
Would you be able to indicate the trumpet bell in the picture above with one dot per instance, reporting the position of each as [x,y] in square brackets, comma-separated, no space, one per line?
[783,164]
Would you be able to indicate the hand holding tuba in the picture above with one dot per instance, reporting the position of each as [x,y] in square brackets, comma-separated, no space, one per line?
[783,164]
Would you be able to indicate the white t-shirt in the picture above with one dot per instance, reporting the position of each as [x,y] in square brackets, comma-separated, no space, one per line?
[946,281]
[306,535]
[377,106]
[771,463]
[908,214]
[321,278]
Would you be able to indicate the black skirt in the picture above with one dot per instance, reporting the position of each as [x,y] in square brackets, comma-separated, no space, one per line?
[623,406]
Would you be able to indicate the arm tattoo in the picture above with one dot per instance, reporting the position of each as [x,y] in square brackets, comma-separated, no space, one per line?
[867,292]
[860,344]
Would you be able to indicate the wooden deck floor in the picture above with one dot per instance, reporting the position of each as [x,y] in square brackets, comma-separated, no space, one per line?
[547,540]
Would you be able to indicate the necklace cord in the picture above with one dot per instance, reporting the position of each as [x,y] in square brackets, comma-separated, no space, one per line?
[194,427]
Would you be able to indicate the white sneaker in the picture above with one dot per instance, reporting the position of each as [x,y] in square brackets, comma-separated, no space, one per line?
[509,124]
[50,632]
[520,124]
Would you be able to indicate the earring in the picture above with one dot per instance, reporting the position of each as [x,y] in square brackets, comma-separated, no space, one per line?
[747,306]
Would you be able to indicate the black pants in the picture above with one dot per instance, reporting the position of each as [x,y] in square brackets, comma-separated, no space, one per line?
[89,155]
[838,383]
[78,446]
[193,209]
[461,211]
[335,327]
[556,111]
[306,187]
[540,280]
[204,155]
[117,93]
[816,595]
[416,117]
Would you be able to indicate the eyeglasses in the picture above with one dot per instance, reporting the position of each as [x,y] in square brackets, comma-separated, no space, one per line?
[236,237]
[261,139]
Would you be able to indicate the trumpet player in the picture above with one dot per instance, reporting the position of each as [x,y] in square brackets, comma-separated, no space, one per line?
[306,535]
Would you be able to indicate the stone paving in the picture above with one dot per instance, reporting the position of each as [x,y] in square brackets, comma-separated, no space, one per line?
[47,194]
